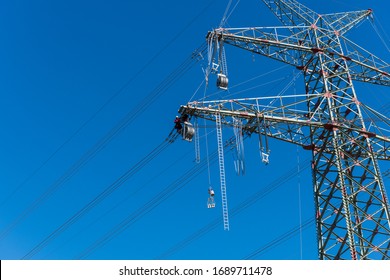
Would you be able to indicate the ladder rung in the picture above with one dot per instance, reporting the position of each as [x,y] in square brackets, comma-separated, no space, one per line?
[221,162]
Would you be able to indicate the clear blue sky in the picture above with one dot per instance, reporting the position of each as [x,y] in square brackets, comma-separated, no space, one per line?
[61,61]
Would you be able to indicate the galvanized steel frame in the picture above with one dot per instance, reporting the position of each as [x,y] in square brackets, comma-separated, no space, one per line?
[352,209]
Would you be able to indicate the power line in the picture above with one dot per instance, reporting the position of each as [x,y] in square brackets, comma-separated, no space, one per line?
[146,208]
[100,197]
[106,103]
[129,118]
[135,191]
[280,239]
[235,211]
[152,204]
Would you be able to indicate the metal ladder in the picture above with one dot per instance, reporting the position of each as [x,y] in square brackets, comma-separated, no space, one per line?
[223,61]
[197,143]
[221,162]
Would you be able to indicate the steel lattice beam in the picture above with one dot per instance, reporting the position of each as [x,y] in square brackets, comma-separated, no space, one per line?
[352,209]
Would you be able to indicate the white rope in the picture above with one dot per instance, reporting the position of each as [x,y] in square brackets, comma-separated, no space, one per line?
[207,146]
[380,36]
[196,91]
[254,87]
[383,29]
[247,81]
[299,203]
[299,187]
[225,15]
[283,91]
[235,6]
[223,20]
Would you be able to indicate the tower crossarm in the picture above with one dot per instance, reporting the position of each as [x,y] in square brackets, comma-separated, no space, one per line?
[365,66]
[379,126]
[270,42]
[286,123]
[275,125]
[381,146]
[341,23]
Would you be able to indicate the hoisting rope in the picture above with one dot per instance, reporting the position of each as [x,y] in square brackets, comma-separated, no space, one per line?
[290,84]
[198,88]
[207,147]
[299,184]
[223,20]
[299,203]
[245,82]
[379,35]
[225,15]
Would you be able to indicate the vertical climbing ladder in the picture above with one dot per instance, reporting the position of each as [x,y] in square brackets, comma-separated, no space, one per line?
[223,60]
[197,143]
[221,162]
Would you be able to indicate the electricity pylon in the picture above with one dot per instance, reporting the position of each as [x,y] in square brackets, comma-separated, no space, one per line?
[352,209]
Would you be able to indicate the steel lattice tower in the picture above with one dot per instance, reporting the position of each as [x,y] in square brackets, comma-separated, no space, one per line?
[352,209]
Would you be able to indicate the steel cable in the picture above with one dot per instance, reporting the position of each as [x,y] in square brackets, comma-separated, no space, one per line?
[152,204]
[235,211]
[130,117]
[107,102]
[134,192]
[280,239]
[99,198]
